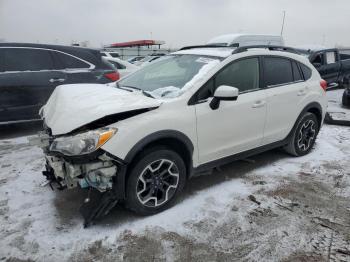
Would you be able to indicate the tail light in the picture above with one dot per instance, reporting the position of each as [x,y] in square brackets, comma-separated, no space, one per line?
[323,84]
[113,76]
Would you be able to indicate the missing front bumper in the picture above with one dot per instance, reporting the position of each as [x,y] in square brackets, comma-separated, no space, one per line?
[98,173]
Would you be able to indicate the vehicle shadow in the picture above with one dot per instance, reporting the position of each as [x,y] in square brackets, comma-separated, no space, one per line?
[234,170]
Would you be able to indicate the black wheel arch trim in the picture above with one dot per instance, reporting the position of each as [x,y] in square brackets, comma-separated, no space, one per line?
[120,181]
[163,134]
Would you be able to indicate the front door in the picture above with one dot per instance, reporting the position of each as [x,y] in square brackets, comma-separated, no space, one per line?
[236,126]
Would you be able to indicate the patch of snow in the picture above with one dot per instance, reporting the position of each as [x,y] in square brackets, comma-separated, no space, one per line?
[222,52]
[335,107]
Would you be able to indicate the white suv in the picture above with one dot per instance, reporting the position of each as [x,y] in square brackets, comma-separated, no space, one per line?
[189,112]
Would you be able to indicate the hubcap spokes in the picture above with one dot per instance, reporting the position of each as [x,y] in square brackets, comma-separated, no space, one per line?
[306,135]
[157,183]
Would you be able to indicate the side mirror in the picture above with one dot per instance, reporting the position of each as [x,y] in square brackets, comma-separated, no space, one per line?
[225,93]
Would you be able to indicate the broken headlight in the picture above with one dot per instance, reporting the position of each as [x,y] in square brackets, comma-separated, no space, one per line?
[82,144]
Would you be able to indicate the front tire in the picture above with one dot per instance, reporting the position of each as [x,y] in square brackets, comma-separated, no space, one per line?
[156,179]
[304,135]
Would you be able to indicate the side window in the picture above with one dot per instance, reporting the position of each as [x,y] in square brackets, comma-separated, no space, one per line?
[25,59]
[70,62]
[318,59]
[243,74]
[330,58]
[277,71]
[306,71]
[296,72]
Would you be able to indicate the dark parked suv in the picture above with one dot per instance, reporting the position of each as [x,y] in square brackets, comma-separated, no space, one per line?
[29,74]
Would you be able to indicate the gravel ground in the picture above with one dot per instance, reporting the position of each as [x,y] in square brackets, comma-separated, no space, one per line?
[272,207]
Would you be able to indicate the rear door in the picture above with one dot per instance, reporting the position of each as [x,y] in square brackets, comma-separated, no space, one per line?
[285,91]
[27,79]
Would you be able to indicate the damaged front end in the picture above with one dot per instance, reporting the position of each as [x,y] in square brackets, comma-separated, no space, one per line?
[97,174]
[77,160]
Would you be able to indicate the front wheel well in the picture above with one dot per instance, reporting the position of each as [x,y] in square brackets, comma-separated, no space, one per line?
[170,143]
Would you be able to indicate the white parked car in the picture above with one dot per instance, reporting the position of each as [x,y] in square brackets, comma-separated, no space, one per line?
[187,113]
[236,40]
[134,59]
[110,54]
[145,61]
[124,68]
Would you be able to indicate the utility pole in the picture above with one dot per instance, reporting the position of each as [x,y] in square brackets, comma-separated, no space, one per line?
[284,16]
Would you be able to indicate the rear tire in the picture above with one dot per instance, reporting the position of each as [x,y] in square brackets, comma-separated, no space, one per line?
[303,136]
[155,181]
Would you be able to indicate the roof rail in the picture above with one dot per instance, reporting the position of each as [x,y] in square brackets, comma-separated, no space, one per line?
[270,47]
[200,46]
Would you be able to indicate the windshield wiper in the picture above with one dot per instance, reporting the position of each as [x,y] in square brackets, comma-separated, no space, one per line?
[147,94]
[133,87]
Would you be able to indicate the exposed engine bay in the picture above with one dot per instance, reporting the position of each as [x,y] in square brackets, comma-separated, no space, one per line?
[96,173]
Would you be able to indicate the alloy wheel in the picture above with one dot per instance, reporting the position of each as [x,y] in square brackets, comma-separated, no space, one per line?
[157,183]
[307,134]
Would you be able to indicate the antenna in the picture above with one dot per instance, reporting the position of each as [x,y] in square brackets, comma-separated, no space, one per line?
[284,16]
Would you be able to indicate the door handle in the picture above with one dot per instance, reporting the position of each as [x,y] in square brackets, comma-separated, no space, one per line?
[259,104]
[57,80]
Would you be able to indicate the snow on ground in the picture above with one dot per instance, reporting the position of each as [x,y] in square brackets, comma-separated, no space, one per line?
[272,207]
[335,107]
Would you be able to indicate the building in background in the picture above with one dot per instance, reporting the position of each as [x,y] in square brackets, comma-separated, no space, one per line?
[131,49]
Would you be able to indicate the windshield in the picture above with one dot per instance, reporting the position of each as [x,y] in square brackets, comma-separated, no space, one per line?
[170,76]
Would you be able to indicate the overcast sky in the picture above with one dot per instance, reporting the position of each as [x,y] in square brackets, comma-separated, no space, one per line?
[178,22]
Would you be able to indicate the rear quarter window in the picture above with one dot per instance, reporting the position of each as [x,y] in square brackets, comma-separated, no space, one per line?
[66,61]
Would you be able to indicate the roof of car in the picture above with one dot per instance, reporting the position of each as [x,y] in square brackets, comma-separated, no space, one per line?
[88,54]
[48,46]
[224,52]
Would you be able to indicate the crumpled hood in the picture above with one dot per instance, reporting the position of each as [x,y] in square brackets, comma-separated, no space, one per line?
[73,106]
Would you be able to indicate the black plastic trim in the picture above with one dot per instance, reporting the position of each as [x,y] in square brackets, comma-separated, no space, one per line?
[120,180]
[156,136]
[270,47]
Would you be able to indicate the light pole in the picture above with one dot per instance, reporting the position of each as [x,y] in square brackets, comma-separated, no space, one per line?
[284,16]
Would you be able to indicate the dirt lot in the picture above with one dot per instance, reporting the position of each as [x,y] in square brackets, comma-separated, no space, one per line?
[272,207]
